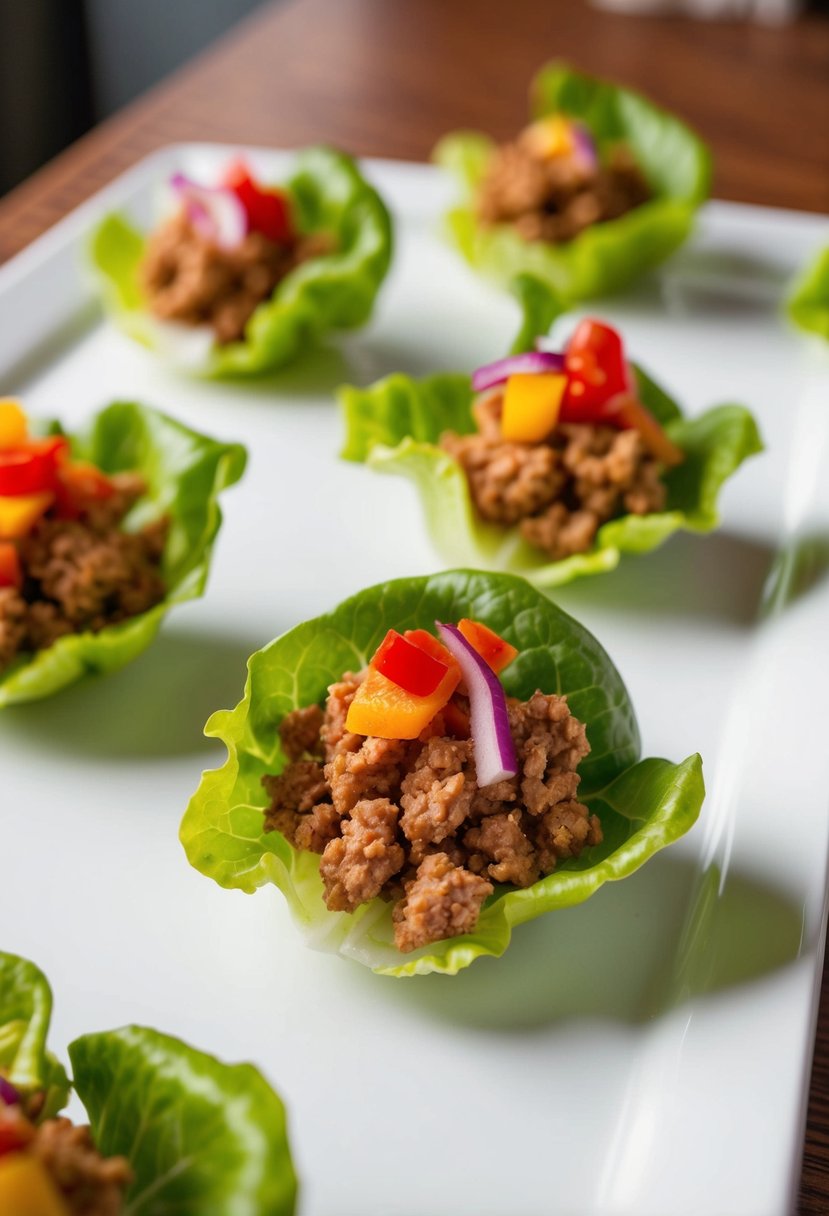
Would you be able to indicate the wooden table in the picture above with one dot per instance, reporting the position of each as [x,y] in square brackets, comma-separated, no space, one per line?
[388,77]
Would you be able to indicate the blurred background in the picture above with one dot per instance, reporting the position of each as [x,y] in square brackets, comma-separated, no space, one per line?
[67,64]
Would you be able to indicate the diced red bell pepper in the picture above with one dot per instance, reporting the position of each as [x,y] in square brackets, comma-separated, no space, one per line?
[597,371]
[407,665]
[31,468]
[11,573]
[492,648]
[14,1135]
[627,412]
[428,642]
[268,211]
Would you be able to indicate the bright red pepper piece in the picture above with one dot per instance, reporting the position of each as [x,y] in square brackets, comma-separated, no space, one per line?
[11,574]
[407,666]
[597,371]
[268,211]
[31,468]
[14,1136]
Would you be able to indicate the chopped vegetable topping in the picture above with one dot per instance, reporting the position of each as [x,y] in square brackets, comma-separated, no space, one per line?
[597,370]
[13,428]
[495,758]
[549,137]
[214,211]
[530,361]
[268,211]
[407,665]
[492,648]
[27,1190]
[11,575]
[531,406]
[31,466]
[385,710]
[19,514]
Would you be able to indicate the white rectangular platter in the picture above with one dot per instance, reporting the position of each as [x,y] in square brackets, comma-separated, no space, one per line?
[646,1054]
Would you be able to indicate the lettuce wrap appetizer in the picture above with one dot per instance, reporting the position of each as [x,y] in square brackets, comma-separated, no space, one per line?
[171,1129]
[550,464]
[100,534]
[241,276]
[432,763]
[808,305]
[600,187]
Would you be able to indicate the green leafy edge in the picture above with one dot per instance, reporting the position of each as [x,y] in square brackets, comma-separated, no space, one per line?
[808,304]
[394,426]
[333,291]
[185,472]
[200,1135]
[607,256]
[25,1014]
[644,806]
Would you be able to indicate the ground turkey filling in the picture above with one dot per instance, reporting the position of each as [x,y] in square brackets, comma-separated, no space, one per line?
[554,198]
[89,1184]
[82,574]
[189,278]
[561,491]
[406,819]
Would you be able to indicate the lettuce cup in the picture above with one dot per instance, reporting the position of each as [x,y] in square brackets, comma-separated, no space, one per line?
[808,304]
[100,535]
[432,763]
[600,187]
[171,1129]
[550,463]
[240,276]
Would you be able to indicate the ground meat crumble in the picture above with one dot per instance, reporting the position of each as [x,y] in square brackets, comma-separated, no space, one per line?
[89,1184]
[554,198]
[188,278]
[406,819]
[561,491]
[82,574]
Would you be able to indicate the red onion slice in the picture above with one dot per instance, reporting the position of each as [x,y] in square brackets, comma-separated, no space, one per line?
[495,758]
[217,214]
[8,1094]
[584,145]
[529,362]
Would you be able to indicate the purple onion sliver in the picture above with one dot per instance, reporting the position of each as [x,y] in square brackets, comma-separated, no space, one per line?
[495,758]
[529,362]
[215,212]
[585,145]
[8,1094]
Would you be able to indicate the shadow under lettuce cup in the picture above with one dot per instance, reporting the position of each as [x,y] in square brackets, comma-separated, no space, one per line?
[643,805]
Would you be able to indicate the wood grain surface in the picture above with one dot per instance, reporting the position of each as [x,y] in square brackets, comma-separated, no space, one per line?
[388,77]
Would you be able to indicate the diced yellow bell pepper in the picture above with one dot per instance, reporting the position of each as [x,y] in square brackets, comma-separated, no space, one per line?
[386,710]
[26,1189]
[531,405]
[549,137]
[14,428]
[20,513]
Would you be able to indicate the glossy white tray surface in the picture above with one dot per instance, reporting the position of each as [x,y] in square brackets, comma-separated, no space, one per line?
[646,1054]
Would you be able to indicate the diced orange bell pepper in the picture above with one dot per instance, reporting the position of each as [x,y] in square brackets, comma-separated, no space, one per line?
[26,1189]
[11,573]
[549,137]
[80,483]
[14,427]
[532,402]
[19,514]
[386,710]
[628,412]
[492,648]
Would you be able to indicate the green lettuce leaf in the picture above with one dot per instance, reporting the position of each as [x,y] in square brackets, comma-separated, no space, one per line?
[185,472]
[200,1136]
[395,424]
[644,806]
[607,256]
[335,291]
[25,1014]
[808,305]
